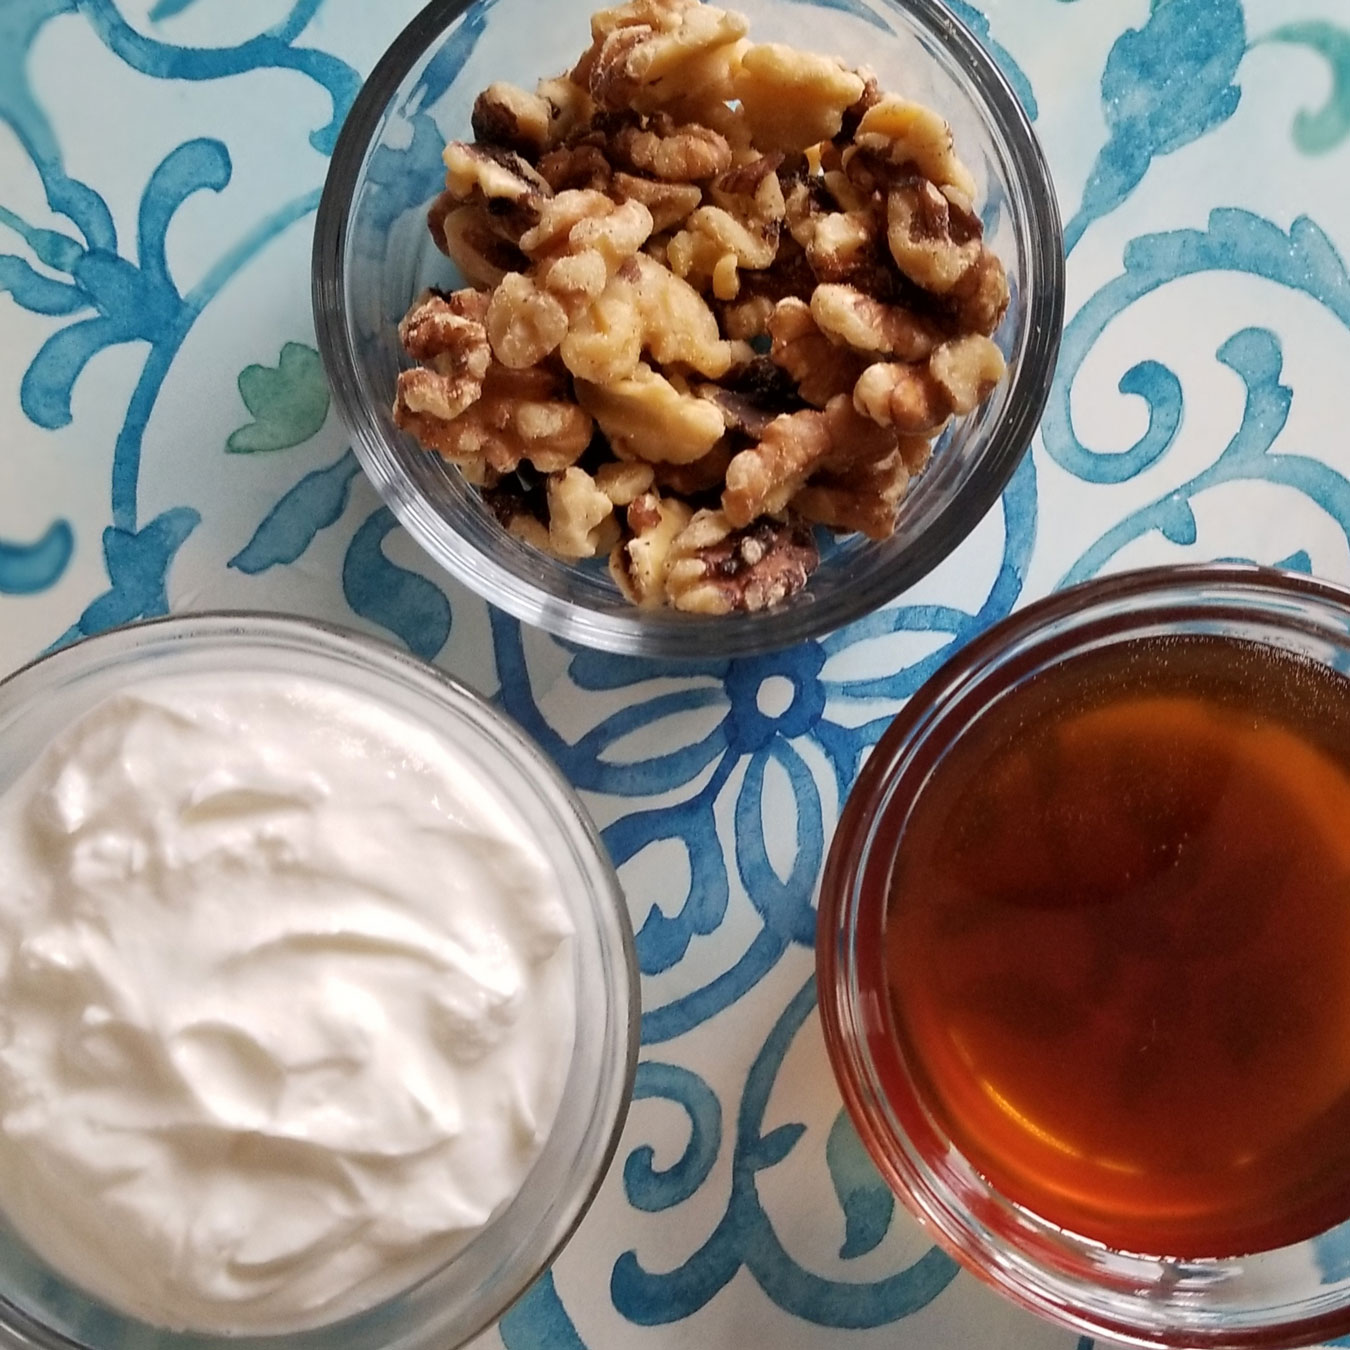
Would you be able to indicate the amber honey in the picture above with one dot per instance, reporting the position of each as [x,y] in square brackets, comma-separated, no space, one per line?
[1117,946]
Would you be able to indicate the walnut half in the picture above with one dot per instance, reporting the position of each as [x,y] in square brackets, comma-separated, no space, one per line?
[717,569]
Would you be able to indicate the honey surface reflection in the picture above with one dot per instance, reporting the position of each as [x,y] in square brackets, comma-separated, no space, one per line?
[1118,946]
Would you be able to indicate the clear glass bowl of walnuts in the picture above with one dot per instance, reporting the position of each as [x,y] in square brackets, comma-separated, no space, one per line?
[679,330]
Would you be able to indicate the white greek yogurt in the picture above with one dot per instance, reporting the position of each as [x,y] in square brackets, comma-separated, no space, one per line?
[286,1003]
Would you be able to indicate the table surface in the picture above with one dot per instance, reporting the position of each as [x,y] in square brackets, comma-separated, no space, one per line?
[167,443]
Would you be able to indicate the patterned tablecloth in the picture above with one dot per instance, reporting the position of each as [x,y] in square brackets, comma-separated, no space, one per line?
[167,443]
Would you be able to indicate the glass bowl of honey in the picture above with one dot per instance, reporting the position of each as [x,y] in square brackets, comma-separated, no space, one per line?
[1084,957]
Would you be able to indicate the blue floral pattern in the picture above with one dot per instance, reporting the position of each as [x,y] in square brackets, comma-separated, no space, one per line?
[1208,316]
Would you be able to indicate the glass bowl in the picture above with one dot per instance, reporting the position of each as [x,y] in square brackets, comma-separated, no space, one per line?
[1295,1294]
[40,1309]
[373,255]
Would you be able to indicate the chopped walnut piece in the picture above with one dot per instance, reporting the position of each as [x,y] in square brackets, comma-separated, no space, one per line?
[716,569]
[678,327]
[645,64]
[569,106]
[677,154]
[447,335]
[904,396]
[645,307]
[980,299]
[848,316]
[520,513]
[583,242]
[521,414]
[821,368]
[864,499]
[647,417]
[524,324]
[467,236]
[514,119]
[639,564]
[669,203]
[569,167]
[843,244]
[763,479]
[624,481]
[919,232]
[700,476]
[711,236]
[747,318]
[577,515]
[792,98]
[909,133]
[966,370]
[512,188]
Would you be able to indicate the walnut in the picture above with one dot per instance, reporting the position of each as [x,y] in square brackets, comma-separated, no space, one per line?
[842,191]
[559,216]
[446,333]
[524,324]
[645,307]
[751,190]
[966,369]
[848,316]
[739,411]
[678,326]
[901,395]
[764,478]
[646,416]
[678,154]
[467,236]
[569,104]
[980,299]
[909,133]
[748,318]
[623,482]
[520,414]
[792,98]
[514,119]
[578,514]
[714,238]
[919,232]
[716,569]
[703,475]
[584,242]
[842,245]
[669,203]
[863,500]
[645,64]
[821,368]
[639,563]
[576,166]
[869,98]
[521,514]
[512,189]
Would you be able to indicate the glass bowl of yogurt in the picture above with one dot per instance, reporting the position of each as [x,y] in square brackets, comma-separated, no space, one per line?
[318,1007]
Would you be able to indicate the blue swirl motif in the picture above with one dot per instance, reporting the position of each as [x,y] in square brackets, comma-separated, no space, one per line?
[1302,260]
[744,1237]
[115,299]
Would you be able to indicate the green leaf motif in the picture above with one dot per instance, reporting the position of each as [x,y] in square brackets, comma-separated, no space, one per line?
[1316,132]
[289,402]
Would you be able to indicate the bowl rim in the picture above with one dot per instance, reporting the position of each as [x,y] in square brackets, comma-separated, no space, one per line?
[373,656]
[664,633]
[1278,598]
